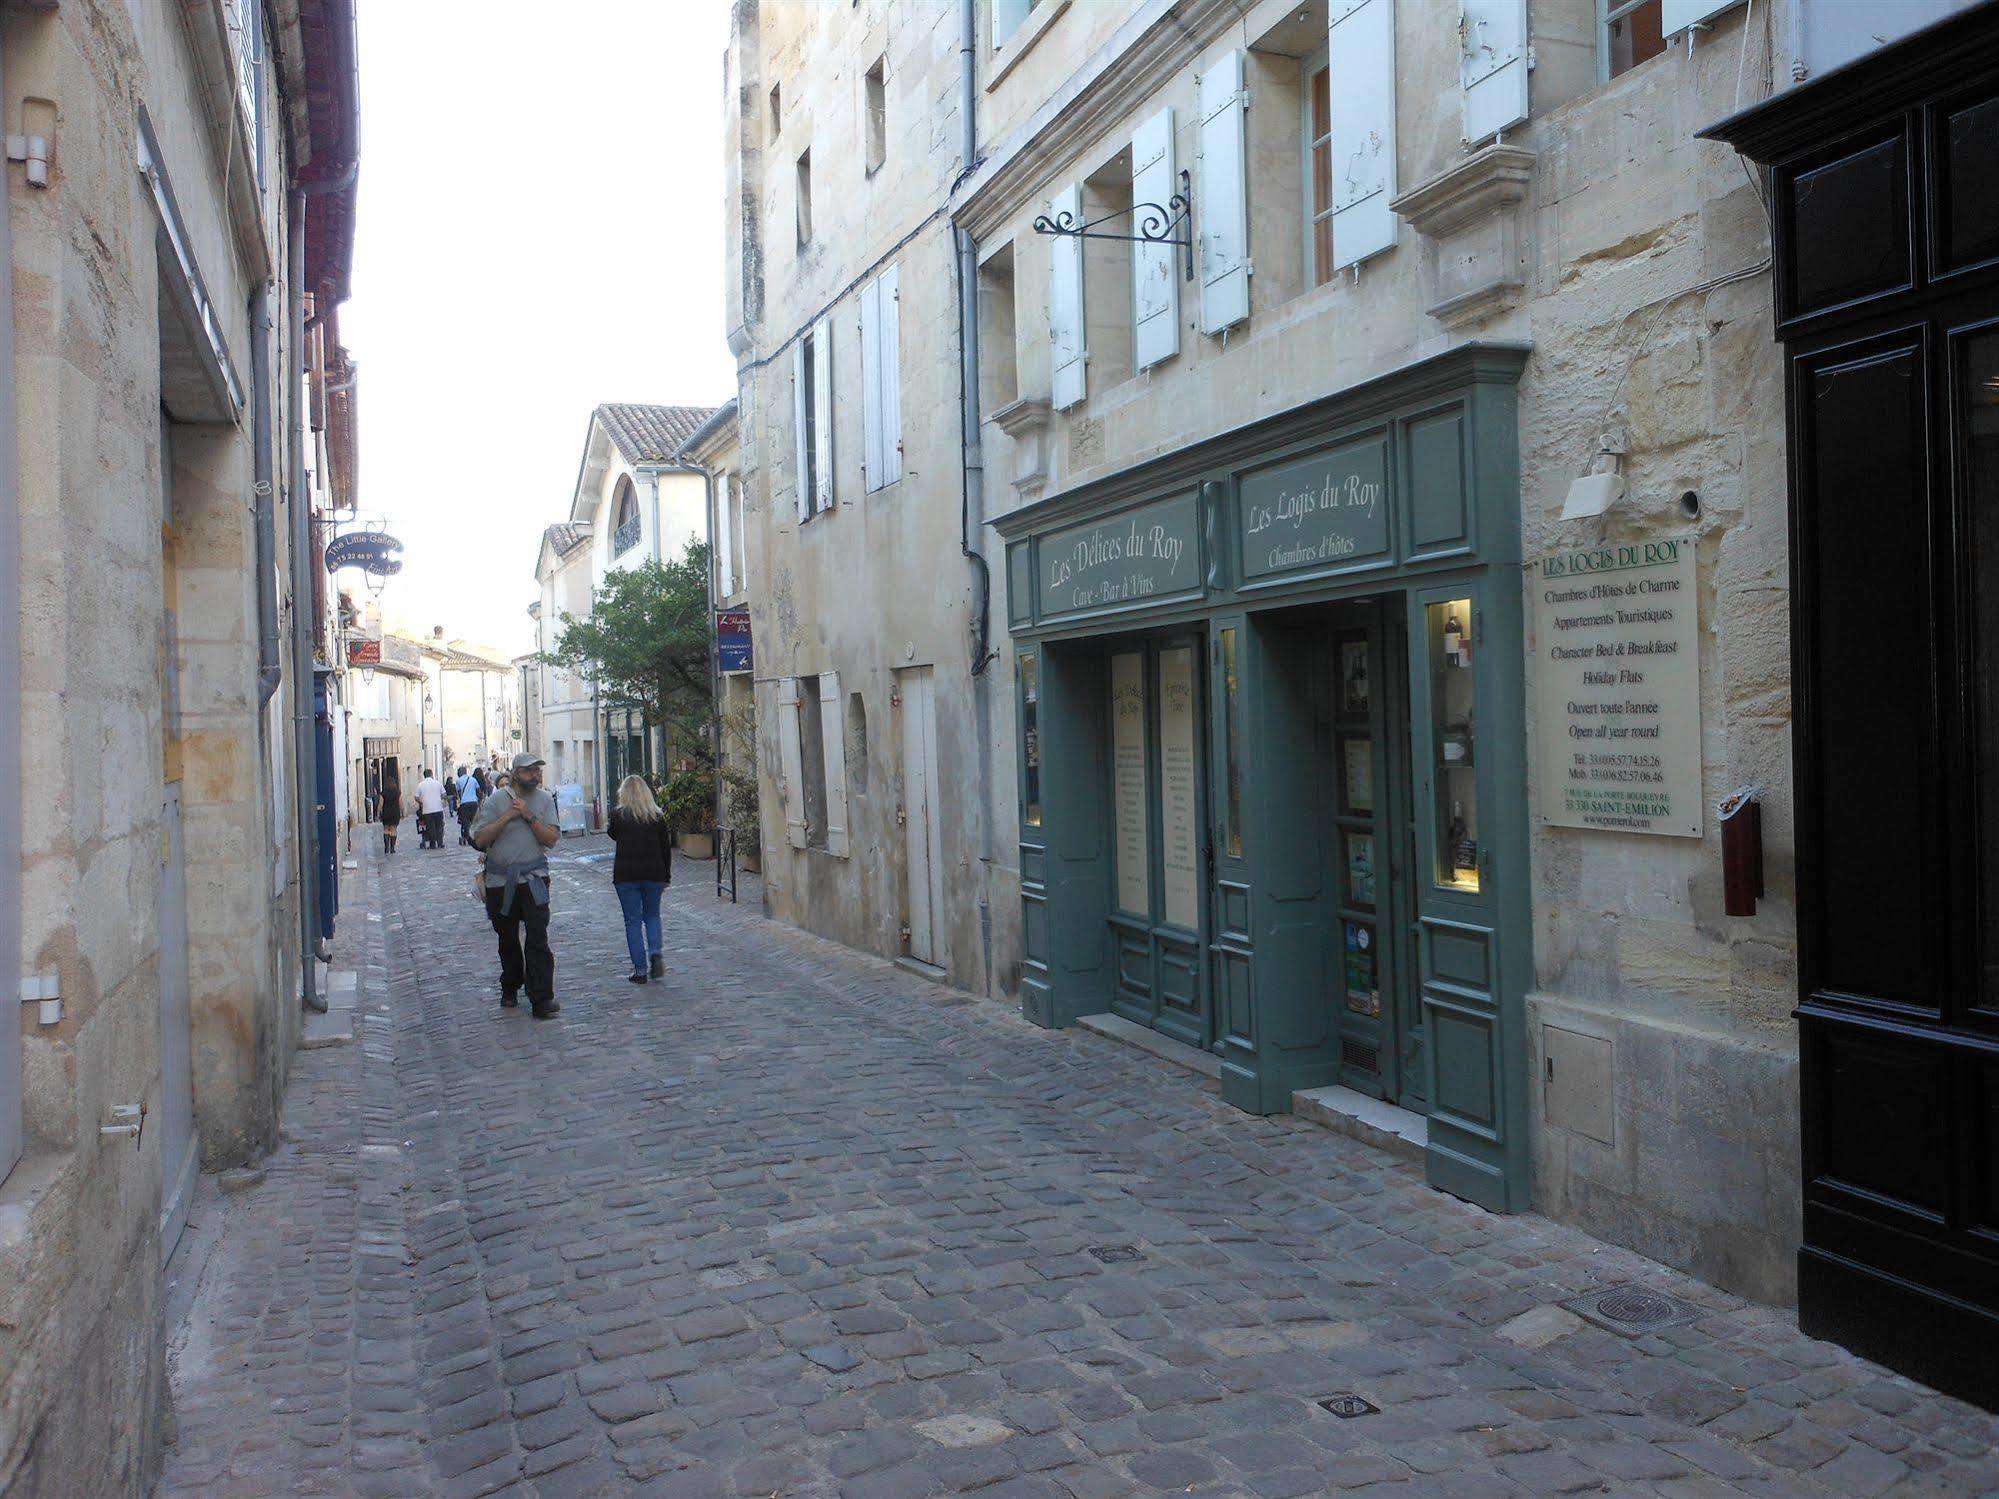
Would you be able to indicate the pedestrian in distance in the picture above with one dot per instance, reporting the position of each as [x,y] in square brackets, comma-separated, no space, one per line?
[515,828]
[641,870]
[391,809]
[430,810]
[485,782]
[469,798]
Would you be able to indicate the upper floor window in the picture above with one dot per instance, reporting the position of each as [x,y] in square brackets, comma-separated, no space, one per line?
[805,196]
[626,536]
[1318,137]
[881,382]
[1007,16]
[1632,32]
[812,418]
[245,21]
[874,103]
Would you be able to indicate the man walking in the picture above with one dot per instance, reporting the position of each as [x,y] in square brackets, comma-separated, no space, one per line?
[515,825]
[430,809]
[468,803]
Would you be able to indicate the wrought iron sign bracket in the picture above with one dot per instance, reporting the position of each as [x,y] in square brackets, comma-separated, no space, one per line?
[1171,225]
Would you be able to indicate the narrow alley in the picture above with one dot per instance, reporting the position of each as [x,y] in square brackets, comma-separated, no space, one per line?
[796,1223]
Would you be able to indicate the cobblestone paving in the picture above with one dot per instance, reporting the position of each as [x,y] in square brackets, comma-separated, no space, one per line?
[795,1223]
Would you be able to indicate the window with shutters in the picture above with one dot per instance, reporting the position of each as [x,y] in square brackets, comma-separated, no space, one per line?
[805,380]
[1632,32]
[881,381]
[811,762]
[739,571]
[999,359]
[1107,272]
[874,105]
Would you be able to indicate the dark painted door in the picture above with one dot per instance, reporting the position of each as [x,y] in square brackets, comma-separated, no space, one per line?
[1157,814]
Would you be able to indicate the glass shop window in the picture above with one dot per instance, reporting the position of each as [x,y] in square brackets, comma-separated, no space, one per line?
[1981,466]
[1030,739]
[1232,746]
[1131,804]
[1454,732]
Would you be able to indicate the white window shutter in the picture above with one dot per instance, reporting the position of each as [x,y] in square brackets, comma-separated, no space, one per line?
[1493,65]
[790,761]
[1360,52]
[889,320]
[799,425]
[833,739]
[1155,269]
[822,396]
[1223,201]
[1065,301]
[725,562]
[871,416]
[1678,15]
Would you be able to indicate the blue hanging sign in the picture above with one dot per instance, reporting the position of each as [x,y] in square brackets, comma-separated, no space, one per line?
[732,639]
[371,551]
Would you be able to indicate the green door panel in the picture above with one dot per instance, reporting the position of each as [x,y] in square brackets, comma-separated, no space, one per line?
[1072,729]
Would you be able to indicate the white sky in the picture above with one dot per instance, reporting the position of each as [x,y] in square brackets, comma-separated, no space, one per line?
[540,230]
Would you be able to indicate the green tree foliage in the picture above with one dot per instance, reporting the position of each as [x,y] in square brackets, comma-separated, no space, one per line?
[645,645]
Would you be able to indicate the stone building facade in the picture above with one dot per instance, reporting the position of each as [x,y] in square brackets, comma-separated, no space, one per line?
[186,206]
[1479,276]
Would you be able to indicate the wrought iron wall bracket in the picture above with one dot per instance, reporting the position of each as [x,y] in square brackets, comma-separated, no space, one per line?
[1171,225]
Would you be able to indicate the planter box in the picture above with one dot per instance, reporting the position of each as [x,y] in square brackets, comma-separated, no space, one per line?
[697,845]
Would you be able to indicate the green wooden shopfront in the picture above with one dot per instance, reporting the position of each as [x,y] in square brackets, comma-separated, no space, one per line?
[1272,755]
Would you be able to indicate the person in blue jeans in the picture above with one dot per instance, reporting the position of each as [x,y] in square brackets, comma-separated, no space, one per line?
[640,873]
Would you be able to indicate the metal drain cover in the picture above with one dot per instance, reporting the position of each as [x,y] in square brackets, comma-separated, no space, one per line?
[1115,1254]
[1347,1406]
[1632,1310]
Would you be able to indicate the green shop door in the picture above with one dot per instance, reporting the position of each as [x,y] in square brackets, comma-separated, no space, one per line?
[1158,813]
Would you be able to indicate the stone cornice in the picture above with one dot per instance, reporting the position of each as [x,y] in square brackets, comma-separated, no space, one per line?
[1133,65]
[1453,370]
[1486,182]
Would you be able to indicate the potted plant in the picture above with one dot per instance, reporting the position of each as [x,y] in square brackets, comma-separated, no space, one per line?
[688,800]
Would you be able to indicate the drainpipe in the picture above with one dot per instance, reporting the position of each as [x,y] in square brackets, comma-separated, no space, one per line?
[971,510]
[312,943]
[10,676]
[714,660]
[270,668]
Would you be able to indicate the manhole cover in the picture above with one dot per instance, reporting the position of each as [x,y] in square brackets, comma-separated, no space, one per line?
[1347,1406]
[1115,1254]
[1631,1310]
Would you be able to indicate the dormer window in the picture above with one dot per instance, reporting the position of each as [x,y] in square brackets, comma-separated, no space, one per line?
[626,511]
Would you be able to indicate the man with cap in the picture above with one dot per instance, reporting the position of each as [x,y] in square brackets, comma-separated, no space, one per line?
[515,825]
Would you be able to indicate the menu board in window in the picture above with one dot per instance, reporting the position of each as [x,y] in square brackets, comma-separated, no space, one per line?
[1177,786]
[1128,798]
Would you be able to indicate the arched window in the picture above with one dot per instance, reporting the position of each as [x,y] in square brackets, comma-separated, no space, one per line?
[626,534]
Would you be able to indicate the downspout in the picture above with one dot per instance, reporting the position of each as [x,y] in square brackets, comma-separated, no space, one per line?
[714,658]
[971,508]
[270,666]
[312,943]
[10,675]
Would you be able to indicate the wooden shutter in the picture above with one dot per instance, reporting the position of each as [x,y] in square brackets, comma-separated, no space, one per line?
[822,396]
[1065,302]
[1155,269]
[1493,67]
[725,558]
[800,353]
[871,416]
[1678,15]
[1361,69]
[889,321]
[790,763]
[1224,196]
[833,742]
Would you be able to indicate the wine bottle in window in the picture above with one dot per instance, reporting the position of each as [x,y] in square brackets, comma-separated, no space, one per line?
[1454,636]
[1463,846]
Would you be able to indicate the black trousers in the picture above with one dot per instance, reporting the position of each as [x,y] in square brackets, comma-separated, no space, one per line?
[465,814]
[534,970]
[432,824]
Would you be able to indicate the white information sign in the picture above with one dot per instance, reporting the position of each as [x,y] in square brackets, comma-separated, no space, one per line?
[1128,797]
[1177,791]
[1617,663]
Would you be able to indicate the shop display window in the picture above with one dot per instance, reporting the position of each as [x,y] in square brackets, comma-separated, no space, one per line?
[1232,746]
[1454,747]
[1030,739]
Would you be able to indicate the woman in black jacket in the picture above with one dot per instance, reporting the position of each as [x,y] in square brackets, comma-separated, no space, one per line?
[640,873]
[390,811]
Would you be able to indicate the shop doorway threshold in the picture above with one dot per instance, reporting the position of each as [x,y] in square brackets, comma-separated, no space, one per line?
[1179,1053]
[1386,1126]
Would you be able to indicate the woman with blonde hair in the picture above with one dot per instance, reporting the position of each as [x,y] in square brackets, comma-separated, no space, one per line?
[640,873]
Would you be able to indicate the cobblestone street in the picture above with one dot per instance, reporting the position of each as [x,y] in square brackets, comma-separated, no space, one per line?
[796,1223]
